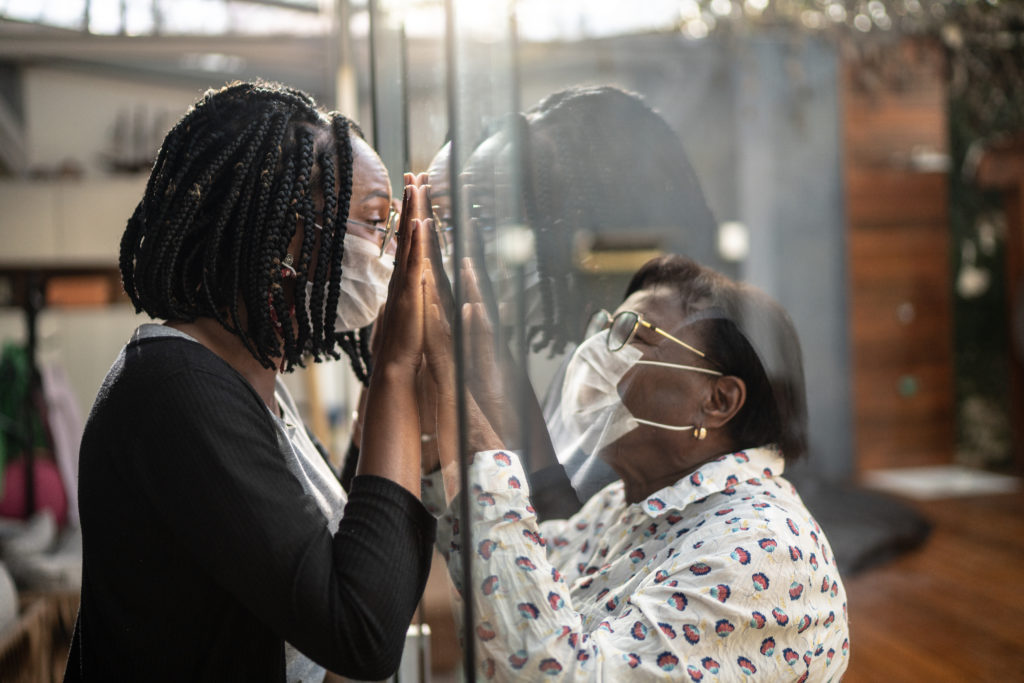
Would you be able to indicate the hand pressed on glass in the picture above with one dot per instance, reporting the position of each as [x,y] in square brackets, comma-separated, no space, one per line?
[481,436]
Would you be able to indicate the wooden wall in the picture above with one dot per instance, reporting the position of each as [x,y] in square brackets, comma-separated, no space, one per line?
[899,260]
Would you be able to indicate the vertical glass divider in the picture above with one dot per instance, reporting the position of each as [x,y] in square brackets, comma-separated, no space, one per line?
[458,213]
[371,7]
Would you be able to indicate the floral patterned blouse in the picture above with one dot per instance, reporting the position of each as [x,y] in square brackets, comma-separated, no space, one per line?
[723,576]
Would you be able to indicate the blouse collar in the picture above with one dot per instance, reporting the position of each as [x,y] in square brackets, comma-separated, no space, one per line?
[753,465]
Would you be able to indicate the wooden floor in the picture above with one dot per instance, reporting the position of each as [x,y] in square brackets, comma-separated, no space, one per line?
[952,610]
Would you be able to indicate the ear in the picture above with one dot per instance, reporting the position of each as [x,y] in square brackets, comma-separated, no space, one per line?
[724,401]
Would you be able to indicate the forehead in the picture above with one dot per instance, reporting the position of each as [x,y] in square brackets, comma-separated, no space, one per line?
[369,174]
[489,156]
[438,168]
[660,305]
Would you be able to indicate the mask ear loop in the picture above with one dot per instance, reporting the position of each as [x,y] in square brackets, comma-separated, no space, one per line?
[699,433]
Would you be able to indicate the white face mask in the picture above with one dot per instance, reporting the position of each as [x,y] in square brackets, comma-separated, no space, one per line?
[592,415]
[364,283]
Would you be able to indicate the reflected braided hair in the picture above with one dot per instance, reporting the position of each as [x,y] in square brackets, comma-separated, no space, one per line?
[234,180]
[598,159]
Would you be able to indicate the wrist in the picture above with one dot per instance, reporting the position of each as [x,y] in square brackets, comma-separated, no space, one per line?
[394,372]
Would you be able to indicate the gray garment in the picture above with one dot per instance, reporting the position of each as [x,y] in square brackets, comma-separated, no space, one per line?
[307,465]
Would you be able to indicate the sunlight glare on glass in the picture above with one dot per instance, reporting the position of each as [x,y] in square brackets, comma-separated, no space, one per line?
[195,16]
[836,12]
[722,8]
[105,17]
[254,19]
[812,19]
[64,13]
[543,20]
[696,29]
[139,19]
[689,10]
[213,62]
[423,20]
[484,20]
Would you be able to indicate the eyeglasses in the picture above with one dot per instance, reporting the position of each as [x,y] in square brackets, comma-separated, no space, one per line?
[622,328]
[385,235]
[443,226]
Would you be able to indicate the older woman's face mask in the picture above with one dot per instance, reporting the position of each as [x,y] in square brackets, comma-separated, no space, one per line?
[592,412]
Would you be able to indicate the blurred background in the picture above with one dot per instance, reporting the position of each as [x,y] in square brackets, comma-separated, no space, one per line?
[864,161]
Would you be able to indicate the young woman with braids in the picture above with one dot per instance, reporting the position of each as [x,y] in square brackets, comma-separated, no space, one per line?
[218,544]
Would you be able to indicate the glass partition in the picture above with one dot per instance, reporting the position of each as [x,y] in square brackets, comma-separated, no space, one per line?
[565,150]
[568,144]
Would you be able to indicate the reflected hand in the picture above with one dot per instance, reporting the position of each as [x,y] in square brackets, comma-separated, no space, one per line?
[440,360]
[484,376]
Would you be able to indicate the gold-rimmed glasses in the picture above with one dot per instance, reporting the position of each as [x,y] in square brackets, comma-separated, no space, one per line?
[623,326]
[384,237]
[385,234]
[443,226]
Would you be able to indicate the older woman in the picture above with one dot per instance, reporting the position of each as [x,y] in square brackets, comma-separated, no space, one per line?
[702,562]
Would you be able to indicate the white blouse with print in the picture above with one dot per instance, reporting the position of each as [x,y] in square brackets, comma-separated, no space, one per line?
[722,576]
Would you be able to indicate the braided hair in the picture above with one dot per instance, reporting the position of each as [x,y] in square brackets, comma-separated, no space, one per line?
[597,159]
[232,183]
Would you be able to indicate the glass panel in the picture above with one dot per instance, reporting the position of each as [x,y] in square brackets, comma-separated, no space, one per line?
[571,142]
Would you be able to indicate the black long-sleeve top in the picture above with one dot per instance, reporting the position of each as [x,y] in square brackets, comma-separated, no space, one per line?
[202,553]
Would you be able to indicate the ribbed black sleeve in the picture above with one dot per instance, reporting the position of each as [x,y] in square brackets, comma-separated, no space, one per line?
[202,552]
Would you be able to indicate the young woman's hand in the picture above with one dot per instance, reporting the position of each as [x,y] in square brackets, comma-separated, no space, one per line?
[391,430]
[401,324]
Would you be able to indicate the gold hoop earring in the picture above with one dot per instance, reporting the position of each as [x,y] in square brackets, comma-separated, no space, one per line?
[700,433]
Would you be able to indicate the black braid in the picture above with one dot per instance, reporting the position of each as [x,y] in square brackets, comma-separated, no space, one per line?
[326,245]
[242,170]
[363,340]
[354,344]
[290,352]
[126,260]
[269,270]
[302,203]
[252,184]
[541,216]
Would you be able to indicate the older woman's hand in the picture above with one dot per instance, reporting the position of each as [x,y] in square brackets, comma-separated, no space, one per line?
[484,376]
[441,363]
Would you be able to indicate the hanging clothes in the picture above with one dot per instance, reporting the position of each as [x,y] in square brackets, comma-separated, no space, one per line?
[66,425]
[25,432]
